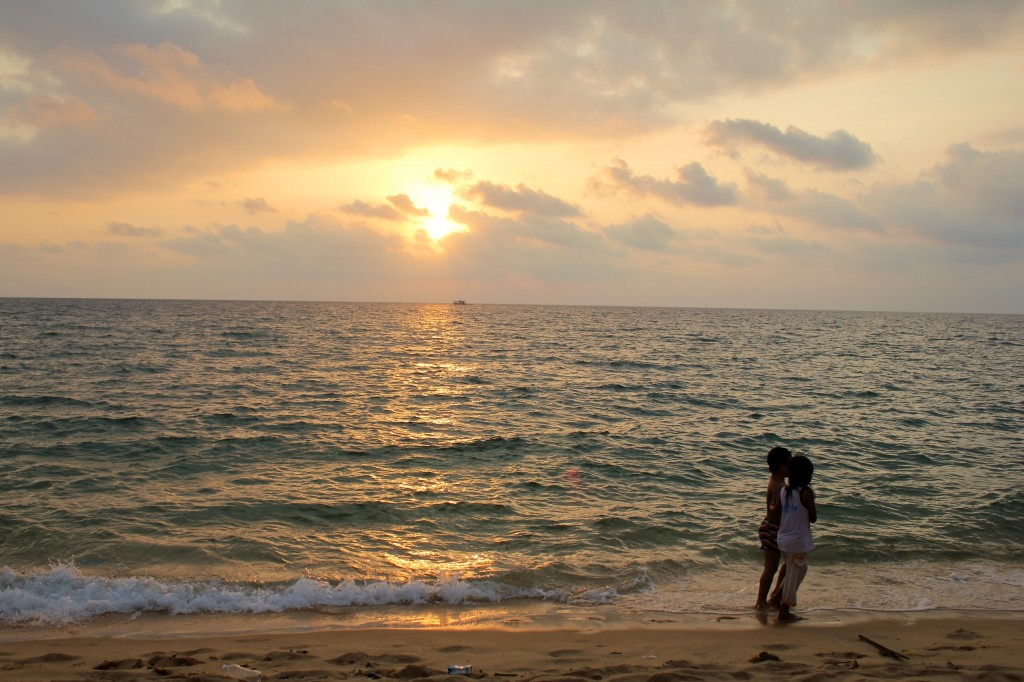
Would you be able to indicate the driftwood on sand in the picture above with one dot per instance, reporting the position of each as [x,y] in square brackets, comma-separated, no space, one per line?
[884,650]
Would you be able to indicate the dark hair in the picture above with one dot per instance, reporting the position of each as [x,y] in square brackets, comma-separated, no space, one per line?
[778,456]
[800,472]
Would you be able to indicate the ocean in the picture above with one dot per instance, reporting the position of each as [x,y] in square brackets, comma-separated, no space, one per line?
[192,457]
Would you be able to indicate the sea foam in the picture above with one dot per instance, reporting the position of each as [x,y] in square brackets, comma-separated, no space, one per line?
[63,594]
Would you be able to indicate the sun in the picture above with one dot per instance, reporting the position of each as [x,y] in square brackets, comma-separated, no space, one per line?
[436,223]
[439,227]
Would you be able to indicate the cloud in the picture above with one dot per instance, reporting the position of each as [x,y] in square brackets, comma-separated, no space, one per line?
[129,230]
[208,12]
[108,99]
[768,189]
[532,229]
[258,205]
[608,66]
[399,207]
[242,95]
[450,175]
[362,208]
[168,73]
[17,72]
[28,104]
[12,131]
[529,246]
[46,111]
[924,27]
[185,90]
[136,115]
[775,241]
[201,244]
[820,209]
[839,150]
[694,185]
[520,199]
[647,233]
[973,199]
[830,212]
[314,248]
[341,105]
[405,205]
[317,258]
[1009,137]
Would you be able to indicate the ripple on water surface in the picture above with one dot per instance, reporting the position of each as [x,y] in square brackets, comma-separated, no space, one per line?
[559,451]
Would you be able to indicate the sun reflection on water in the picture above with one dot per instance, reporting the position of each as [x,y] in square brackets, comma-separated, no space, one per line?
[426,379]
[416,563]
[435,380]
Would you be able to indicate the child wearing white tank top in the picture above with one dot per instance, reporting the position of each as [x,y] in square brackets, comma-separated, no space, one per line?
[795,540]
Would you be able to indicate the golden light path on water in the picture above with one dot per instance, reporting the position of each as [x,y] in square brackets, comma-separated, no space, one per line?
[274,455]
[426,389]
[420,414]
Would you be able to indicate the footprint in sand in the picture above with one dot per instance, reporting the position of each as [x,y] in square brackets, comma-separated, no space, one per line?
[398,658]
[963,634]
[351,658]
[49,658]
[289,655]
[161,660]
[239,656]
[120,664]
[359,657]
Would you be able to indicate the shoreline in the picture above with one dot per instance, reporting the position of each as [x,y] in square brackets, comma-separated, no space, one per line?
[510,616]
[636,647]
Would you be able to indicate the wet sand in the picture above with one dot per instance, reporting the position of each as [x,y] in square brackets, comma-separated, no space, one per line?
[645,648]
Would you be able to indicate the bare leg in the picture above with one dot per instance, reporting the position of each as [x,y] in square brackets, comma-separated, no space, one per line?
[796,569]
[771,564]
[776,598]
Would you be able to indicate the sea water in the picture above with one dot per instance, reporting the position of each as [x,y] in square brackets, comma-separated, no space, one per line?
[250,457]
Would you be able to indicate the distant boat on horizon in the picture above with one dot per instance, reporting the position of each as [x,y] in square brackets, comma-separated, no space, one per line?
[458,301]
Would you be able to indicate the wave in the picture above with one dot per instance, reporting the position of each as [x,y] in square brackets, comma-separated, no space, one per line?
[63,594]
[37,400]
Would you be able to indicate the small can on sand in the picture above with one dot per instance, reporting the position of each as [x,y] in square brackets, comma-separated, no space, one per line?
[460,670]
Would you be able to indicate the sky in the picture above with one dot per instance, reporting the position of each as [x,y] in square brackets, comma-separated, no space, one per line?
[839,155]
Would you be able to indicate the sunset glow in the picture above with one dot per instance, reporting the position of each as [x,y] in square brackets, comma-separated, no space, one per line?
[440,227]
[572,152]
[437,203]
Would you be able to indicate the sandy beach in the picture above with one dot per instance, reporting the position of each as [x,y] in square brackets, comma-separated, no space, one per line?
[949,646]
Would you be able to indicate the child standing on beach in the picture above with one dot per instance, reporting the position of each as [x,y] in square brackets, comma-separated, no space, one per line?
[795,539]
[778,459]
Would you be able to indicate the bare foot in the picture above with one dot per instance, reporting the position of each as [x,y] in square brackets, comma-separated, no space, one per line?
[789,617]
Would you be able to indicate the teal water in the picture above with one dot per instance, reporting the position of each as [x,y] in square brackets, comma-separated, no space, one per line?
[192,456]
